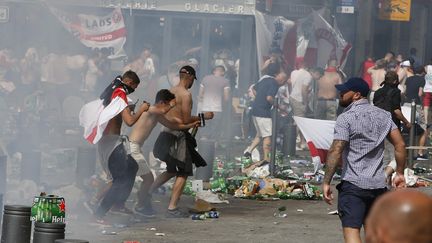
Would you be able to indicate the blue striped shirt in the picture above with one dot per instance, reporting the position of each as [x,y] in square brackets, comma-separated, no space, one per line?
[364,127]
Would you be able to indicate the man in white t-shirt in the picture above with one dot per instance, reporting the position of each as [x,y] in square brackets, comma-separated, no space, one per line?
[301,81]
[213,94]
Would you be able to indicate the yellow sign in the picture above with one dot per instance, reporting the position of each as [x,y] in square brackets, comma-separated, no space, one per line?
[395,10]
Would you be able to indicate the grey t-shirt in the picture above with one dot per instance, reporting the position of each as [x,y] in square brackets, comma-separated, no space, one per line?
[213,92]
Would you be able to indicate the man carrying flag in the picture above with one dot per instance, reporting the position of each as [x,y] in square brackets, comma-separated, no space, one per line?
[102,120]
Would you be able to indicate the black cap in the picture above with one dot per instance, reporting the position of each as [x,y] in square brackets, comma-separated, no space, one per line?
[189,70]
[354,84]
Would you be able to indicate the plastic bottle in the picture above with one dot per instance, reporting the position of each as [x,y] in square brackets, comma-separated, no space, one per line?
[198,217]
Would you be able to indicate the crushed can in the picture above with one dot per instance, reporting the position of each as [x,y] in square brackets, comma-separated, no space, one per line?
[212,214]
[308,190]
[48,209]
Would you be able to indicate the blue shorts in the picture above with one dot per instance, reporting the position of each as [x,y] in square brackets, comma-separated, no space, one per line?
[354,203]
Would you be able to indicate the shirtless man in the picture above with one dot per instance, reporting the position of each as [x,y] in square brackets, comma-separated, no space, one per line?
[400,216]
[377,73]
[164,102]
[113,154]
[327,93]
[177,147]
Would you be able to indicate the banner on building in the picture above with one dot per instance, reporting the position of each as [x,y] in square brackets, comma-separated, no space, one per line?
[271,32]
[395,10]
[95,31]
[322,41]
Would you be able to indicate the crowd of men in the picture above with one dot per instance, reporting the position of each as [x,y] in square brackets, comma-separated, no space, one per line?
[368,145]
[372,156]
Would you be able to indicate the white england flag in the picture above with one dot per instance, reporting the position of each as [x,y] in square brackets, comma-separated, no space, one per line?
[95,31]
[319,137]
[270,31]
[94,117]
[330,42]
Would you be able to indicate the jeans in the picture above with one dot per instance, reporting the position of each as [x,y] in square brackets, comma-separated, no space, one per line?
[123,169]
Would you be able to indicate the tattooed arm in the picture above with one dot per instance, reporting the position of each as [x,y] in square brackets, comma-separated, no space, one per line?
[334,158]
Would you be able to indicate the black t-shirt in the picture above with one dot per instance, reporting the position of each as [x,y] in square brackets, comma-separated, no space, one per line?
[413,84]
[395,98]
[265,87]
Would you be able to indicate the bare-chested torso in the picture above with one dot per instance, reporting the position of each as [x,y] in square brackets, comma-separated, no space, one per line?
[326,85]
[143,127]
[377,78]
[183,97]
[114,125]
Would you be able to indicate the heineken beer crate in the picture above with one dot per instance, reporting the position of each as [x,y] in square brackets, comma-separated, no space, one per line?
[48,209]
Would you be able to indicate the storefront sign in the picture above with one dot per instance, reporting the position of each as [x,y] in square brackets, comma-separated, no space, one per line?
[243,7]
[395,10]
[4,14]
[346,6]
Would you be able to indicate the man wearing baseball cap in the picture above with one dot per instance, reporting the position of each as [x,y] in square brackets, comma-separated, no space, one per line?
[358,145]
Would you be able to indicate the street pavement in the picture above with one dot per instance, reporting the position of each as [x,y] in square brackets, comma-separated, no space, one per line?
[240,221]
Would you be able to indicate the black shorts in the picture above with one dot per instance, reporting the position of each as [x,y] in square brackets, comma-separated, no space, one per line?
[354,203]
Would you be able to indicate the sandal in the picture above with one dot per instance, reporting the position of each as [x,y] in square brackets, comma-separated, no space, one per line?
[176,213]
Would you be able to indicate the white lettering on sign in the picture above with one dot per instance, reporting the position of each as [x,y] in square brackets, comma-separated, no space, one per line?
[214,8]
[143,4]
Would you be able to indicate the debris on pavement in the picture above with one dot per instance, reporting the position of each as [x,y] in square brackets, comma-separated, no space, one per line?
[106,232]
[160,234]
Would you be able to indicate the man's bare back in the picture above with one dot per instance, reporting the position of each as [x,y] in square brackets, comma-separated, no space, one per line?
[326,85]
[377,77]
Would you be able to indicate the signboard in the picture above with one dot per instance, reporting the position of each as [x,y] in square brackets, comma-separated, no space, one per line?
[4,14]
[395,10]
[242,7]
[346,6]
[345,9]
[350,3]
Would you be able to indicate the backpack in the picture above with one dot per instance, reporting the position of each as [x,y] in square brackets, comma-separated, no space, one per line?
[385,102]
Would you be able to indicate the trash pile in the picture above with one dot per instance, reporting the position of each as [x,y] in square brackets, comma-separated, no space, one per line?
[251,180]
[417,177]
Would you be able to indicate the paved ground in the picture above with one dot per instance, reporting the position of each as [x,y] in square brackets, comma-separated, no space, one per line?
[240,221]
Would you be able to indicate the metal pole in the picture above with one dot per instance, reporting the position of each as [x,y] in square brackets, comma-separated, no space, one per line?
[411,134]
[274,135]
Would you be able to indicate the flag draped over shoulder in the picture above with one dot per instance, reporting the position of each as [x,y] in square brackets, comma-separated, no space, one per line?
[319,137]
[94,117]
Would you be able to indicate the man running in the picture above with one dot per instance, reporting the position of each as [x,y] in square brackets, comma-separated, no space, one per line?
[165,101]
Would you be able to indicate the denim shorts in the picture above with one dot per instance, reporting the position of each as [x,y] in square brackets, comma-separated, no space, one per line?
[354,203]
